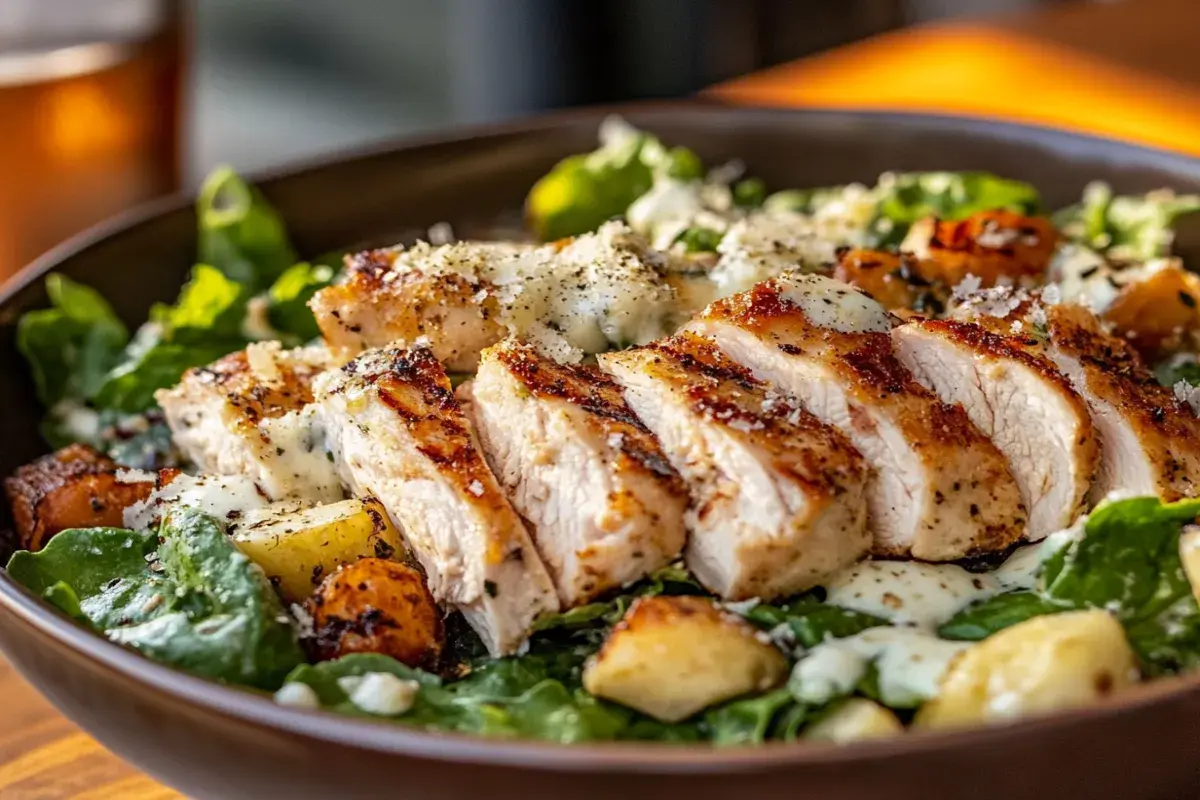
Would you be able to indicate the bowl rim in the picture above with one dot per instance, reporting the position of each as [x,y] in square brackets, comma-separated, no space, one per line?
[389,738]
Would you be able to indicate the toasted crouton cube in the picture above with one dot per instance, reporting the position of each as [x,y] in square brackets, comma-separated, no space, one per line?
[377,606]
[298,549]
[76,487]
[854,720]
[1044,664]
[673,656]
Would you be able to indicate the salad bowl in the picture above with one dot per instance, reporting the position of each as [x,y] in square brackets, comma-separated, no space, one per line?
[208,740]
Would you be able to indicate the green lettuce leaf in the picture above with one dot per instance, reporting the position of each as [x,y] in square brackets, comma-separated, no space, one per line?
[1134,227]
[518,697]
[750,720]
[812,621]
[699,240]
[71,345]
[980,620]
[911,196]
[203,325]
[183,595]
[583,191]
[287,309]
[1173,371]
[240,234]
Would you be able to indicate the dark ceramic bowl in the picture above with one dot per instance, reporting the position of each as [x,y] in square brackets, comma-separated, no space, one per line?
[214,742]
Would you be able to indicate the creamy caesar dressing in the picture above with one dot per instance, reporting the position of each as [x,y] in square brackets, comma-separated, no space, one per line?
[834,305]
[225,497]
[299,465]
[909,662]
[915,597]
[910,592]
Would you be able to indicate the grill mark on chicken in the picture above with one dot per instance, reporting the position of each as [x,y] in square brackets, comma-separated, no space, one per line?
[1019,398]
[1131,411]
[598,395]
[251,397]
[602,501]
[396,431]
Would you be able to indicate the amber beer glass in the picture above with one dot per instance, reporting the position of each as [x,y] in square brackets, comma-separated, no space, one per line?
[89,115]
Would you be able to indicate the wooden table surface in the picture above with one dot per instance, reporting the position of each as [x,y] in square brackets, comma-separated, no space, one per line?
[1127,70]
[45,757]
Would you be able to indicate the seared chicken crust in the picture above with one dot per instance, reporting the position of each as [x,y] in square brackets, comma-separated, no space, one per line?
[776,495]
[395,431]
[1018,398]
[604,504]
[940,490]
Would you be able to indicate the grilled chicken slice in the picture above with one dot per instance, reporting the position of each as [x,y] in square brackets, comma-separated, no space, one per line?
[396,432]
[1149,435]
[385,300]
[76,487]
[249,414]
[940,489]
[593,291]
[603,503]
[777,497]
[994,246]
[1018,398]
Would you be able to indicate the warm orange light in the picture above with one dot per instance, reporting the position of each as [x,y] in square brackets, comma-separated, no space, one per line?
[989,72]
[82,120]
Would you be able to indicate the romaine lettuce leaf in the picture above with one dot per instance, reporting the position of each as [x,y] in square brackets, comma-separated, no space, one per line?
[1127,562]
[583,191]
[288,297]
[812,621]
[183,595]
[203,325]
[71,345]
[240,234]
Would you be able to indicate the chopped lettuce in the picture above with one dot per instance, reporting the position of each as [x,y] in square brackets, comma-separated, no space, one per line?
[202,326]
[583,191]
[1128,227]
[906,197]
[811,621]
[699,240]
[82,357]
[240,234]
[1174,370]
[71,345]
[183,595]
[288,297]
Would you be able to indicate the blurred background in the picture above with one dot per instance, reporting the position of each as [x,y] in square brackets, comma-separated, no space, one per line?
[107,102]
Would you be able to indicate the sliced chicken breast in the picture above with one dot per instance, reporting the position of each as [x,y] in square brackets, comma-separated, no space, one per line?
[1019,399]
[382,301]
[603,503]
[396,432]
[1149,434]
[939,490]
[591,292]
[249,414]
[777,497]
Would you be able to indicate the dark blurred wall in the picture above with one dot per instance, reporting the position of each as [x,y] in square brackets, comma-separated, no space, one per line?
[277,80]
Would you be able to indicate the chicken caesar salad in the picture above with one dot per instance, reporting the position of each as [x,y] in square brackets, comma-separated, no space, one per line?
[692,461]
